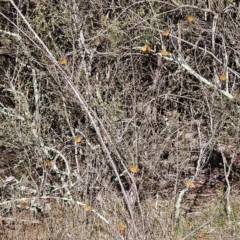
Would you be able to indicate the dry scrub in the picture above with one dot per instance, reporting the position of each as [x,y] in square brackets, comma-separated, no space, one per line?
[104,135]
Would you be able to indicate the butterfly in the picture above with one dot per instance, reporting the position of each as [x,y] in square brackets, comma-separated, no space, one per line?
[23,205]
[145,48]
[47,163]
[134,169]
[165,33]
[190,18]
[190,184]
[63,61]
[87,208]
[78,139]
[164,52]
[222,78]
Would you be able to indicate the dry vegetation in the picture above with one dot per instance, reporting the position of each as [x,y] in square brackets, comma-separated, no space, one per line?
[102,138]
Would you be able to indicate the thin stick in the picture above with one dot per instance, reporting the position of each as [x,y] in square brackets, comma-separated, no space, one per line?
[204,224]
[227,173]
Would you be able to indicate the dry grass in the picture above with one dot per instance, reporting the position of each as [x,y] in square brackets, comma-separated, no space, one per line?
[81,104]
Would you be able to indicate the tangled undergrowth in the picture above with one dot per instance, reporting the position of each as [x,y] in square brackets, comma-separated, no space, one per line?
[119,119]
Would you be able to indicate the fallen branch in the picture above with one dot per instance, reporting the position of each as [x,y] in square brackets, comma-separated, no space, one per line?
[180,61]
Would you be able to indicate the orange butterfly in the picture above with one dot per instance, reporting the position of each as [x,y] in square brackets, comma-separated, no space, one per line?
[190,18]
[164,52]
[78,139]
[134,169]
[87,208]
[165,33]
[145,48]
[202,234]
[47,163]
[190,184]
[23,205]
[63,61]
[122,227]
[222,78]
